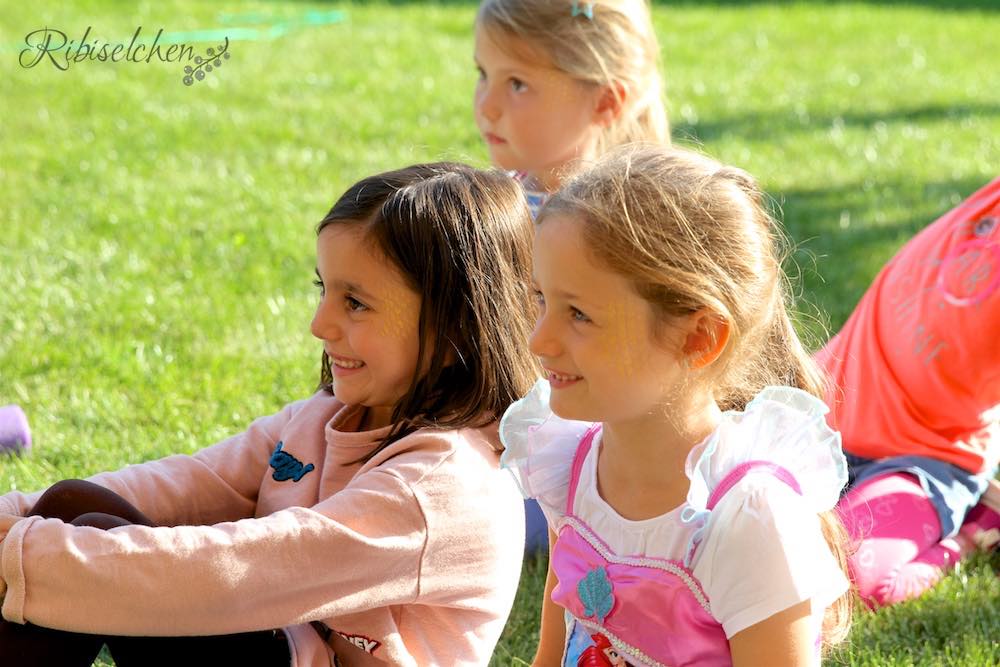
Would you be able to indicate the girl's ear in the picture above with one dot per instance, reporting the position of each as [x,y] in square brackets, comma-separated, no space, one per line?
[611,101]
[708,334]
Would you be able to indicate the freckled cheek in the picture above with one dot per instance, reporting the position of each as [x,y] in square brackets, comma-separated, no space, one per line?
[622,342]
[625,359]
[398,325]
[397,321]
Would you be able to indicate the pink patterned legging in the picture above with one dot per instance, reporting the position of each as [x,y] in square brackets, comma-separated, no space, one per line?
[897,533]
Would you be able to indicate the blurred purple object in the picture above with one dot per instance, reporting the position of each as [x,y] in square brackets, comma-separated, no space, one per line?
[15,436]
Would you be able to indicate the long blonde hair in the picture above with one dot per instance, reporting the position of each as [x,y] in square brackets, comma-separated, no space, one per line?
[692,233]
[605,43]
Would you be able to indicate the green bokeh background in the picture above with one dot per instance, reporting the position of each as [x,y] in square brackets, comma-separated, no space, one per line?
[156,239]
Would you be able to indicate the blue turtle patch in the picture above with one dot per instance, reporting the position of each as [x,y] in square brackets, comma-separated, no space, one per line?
[287,466]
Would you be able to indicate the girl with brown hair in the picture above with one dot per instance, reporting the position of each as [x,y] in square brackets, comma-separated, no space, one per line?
[367,523]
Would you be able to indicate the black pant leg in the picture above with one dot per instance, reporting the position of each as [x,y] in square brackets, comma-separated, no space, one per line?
[268,648]
[33,646]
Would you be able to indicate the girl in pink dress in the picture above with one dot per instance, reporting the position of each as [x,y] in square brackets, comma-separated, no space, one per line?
[677,446]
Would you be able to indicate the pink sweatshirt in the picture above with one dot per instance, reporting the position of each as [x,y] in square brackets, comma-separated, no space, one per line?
[412,558]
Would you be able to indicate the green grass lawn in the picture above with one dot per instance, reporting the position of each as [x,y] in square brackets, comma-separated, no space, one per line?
[156,243]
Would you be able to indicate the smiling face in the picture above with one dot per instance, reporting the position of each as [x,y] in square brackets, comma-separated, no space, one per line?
[368,320]
[533,117]
[595,334]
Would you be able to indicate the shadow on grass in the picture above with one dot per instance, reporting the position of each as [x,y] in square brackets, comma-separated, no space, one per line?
[809,212]
[842,236]
[765,125]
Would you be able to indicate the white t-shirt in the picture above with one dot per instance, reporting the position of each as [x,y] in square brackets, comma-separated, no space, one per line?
[762,549]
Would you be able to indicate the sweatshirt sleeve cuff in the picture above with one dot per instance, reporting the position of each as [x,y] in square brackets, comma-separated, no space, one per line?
[11,566]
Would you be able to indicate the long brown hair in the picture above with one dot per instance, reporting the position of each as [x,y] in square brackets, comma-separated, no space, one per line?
[461,238]
[692,233]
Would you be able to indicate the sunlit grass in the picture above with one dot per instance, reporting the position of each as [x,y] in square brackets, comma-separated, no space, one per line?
[156,248]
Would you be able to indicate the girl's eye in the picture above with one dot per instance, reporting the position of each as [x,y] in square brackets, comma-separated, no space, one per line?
[481,73]
[517,85]
[354,305]
[319,283]
[578,315]
[539,299]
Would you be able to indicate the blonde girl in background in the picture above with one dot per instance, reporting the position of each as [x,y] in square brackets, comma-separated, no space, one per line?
[561,82]
[677,444]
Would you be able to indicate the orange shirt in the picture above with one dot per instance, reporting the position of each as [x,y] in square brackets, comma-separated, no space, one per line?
[916,368]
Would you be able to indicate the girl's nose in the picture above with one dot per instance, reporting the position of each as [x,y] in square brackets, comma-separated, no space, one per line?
[324,325]
[487,103]
[543,341]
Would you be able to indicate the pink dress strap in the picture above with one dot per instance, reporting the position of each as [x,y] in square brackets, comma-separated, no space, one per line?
[581,454]
[740,471]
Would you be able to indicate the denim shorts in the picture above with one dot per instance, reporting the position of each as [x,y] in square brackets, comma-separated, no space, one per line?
[952,490]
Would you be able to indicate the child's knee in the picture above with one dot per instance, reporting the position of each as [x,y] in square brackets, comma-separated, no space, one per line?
[878,583]
[65,500]
[871,575]
[71,498]
[910,581]
[890,505]
[885,579]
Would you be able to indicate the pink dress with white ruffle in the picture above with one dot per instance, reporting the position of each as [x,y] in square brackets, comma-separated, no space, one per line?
[639,596]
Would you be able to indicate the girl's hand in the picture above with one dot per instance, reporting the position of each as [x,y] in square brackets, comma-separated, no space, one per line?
[786,639]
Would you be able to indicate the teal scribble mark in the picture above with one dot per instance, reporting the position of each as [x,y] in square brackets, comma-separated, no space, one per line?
[596,594]
[270,27]
[266,28]
[287,466]
[306,18]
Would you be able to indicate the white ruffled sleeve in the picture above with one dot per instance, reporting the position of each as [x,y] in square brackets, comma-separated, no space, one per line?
[764,516]
[783,426]
[539,448]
